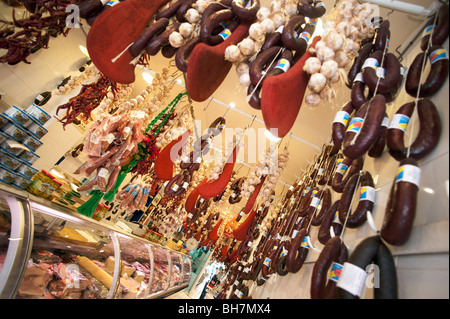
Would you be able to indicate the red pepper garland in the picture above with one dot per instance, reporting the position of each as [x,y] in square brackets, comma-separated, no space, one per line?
[22,37]
[81,106]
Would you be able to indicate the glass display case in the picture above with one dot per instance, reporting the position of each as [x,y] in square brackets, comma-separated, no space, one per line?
[47,252]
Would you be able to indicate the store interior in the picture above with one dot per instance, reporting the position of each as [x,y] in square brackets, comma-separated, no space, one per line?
[155,248]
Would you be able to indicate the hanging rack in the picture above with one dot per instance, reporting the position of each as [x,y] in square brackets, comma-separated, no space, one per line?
[403,6]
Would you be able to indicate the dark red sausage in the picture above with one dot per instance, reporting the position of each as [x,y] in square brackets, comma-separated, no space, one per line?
[435,79]
[383,83]
[439,32]
[331,219]
[245,13]
[426,139]
[153,30]
[346,169]
[366,200]
[358,62]
[401,205]
[358,141]
[340,123]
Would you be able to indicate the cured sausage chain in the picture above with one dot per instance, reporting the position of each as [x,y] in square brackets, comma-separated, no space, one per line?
[353,277]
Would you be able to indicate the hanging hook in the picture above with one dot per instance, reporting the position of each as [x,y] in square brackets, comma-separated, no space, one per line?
[207,105]
[400,54]
[389,13]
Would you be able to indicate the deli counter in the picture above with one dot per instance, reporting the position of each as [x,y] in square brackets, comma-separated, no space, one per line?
[50,252]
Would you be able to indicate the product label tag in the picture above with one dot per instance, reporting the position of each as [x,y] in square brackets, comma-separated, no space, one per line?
[355,124]
[440,54]
[335,272]
[370,63]
[367,193]
[381,73]
[399,122]
[321,172]
[359,78]
[342,168]
[225,34]
[385,122]
[305,243]
[315,202]
[341,117]
[352,279]
[409,173]
[305,36]
[283,64]
[267,261]
[429,30]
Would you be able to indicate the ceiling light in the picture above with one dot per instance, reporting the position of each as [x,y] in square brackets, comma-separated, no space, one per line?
[270,136]
[147,77]
[428,190]
[84,50]
[232,105]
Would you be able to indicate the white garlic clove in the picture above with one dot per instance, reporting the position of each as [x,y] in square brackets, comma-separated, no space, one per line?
[317,82]
[247,46]
[233,54]
[268,25]
[185,29]
[263,13]
[312,99]
[312,65]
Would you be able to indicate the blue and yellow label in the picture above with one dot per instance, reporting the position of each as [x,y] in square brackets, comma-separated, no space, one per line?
[342,169]
[313,22]
[306,191]
[305,36]
[399,121]
[225,34]
[355,124]
[440,54]
[429,30]
[283,64]
[336,271]
[305,243]
[367,193]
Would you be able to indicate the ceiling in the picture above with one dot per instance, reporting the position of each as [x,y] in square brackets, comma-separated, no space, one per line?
[312,127]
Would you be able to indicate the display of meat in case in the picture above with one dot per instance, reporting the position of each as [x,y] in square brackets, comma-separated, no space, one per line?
[49,253]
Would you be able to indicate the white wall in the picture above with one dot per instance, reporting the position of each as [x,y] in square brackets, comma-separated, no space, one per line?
[423,262]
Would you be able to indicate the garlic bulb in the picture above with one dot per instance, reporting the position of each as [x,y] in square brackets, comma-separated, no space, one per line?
[176,39]
[244,79]
[312,99]
[329,68]
[192,15]
[247,46]
[233,54]
[256,30]
[263,13]
[242,68]
[185,29]
[312,65]
[317,82]
[268,25]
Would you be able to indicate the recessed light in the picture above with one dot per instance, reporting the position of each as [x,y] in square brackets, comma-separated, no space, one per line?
[147,77]
[84,50]
[270,136]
